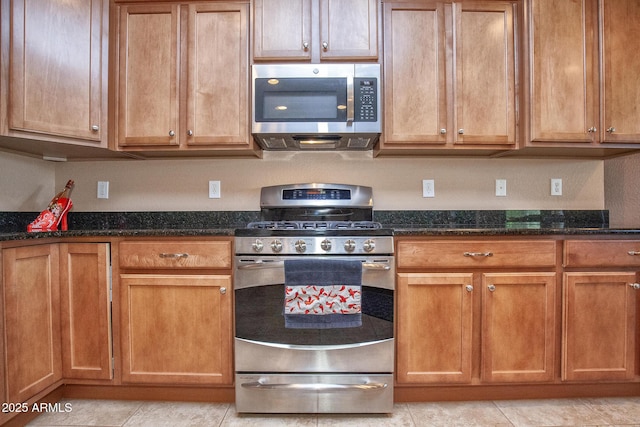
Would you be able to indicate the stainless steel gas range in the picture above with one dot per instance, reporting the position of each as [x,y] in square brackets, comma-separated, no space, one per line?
[314,298]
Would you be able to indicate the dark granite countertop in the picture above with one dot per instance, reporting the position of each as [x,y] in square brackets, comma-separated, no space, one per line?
[404,223]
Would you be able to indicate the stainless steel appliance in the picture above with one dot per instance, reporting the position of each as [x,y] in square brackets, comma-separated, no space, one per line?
[316,106]
[313,370]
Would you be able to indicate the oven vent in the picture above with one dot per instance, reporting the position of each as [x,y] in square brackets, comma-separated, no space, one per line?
[359,143]
[274,142]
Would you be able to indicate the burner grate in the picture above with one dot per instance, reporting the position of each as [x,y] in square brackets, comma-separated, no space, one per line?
[314,225]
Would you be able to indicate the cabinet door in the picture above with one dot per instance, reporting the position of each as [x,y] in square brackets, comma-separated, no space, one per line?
[58,67]
[621,62]
[415,74]
[176,329]
[32,320]
[598,337]
[564,70]
[485,74]
[348,29]
[518,326]
[148,75]
[434,330]
[282,30]
[218,75]
[86,311]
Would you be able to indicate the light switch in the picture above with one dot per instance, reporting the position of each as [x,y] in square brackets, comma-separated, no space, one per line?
[103,189]
[428,188]
[501,187]
[214,189]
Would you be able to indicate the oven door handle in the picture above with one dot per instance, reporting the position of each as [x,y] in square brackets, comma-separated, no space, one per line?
[261,264]
[315,387]
[277,264]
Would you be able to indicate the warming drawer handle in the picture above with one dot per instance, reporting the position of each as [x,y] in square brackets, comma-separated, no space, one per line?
[315,387]
[174,256]
[478,254]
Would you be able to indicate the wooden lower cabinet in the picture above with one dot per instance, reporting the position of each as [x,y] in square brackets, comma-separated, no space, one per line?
[518,327]
[436,321]
[599,319]
[434,327]
[32,320]
[86,311]
[176,329]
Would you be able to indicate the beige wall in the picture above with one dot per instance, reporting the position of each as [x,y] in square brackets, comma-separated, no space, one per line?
[622,189]
[174,185]
[26,184]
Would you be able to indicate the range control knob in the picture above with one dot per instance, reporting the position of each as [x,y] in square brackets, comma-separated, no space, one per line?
[276,246]
[300,246]
[369,245]
[326,245]
[258,245]
[350,245]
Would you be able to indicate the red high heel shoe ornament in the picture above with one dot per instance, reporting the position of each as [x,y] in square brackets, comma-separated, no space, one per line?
[56,213]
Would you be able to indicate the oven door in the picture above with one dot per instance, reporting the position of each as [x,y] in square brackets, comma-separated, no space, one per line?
[264,344]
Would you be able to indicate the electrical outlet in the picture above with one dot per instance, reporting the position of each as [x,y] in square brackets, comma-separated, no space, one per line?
[214,189]
[428,188]
[103,190]
[501,187]
[556,187]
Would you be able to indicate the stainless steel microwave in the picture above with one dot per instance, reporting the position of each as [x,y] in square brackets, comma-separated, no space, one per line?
[316,106]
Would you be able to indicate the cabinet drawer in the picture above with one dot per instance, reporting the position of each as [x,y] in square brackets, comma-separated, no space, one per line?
[175,254]
[602,253]
[471,254]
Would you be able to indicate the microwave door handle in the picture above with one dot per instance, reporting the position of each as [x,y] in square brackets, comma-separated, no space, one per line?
[350,102]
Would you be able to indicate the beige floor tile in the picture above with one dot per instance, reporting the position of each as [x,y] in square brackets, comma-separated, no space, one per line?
[233,419]
[616,410]
[178,414]
[90,413]
[401,417]
[554,412]
[449,414]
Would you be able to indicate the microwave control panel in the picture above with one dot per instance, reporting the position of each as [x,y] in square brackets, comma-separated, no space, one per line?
[366,99]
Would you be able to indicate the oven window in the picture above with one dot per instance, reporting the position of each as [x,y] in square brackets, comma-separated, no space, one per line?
[259,317]
[301,100]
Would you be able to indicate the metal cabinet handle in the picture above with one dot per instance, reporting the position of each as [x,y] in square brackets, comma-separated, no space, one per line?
[174,256]
[305,46]
[95,128]
[189,132]
[469,288]
[461,131]
[611,129]
[325,46]
[491,288]
[592,129]
[635,285]
[443,131]
[172,133]
[223,291]
[315,387]
[634,253]
[478,254]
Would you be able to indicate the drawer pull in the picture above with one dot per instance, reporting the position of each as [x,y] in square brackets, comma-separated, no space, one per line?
[634,253]
[492,288]
[478,254]
[635,285]
[223,291]
[174,256]
[469,288]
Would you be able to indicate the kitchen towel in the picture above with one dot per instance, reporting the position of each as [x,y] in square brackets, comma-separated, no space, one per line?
[322,293]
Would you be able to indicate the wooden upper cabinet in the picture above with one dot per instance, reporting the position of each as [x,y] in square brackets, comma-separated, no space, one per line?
[183,76]
[620,65]
[582,66]
[563,70]
[485,74]
[148,75]
[449,75]
[58,70]
[307,30]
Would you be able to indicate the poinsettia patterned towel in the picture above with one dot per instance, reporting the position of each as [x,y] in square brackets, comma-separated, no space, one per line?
[322,293]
